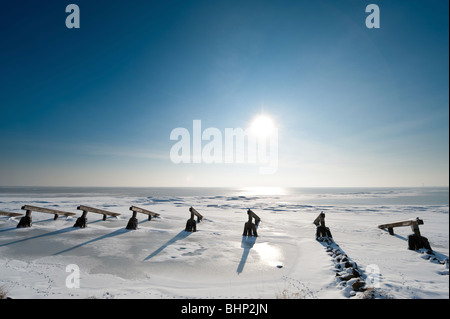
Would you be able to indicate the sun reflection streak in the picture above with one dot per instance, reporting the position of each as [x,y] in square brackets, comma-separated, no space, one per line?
[269,254]
[267,191]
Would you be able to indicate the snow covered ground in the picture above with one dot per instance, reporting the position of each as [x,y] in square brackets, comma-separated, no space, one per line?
[161,260]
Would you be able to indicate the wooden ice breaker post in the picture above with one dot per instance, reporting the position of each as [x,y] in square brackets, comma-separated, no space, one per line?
[191,225]
[322,231]
[82,221]
[250,227]
[26,220]
[415,241]
[133,222]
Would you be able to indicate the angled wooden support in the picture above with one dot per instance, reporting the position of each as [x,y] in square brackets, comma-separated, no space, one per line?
[55,212]
[256,217]
[414,223]
[191,225]
[321,230]
[196,213]
[320,220]
[144,211]
[133,222]
[26,221]
[249,226]
[415,241]
[82,221]
[97,211]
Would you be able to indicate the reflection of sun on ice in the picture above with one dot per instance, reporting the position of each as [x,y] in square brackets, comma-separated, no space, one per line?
[262,190]
[262,126]
[270,255]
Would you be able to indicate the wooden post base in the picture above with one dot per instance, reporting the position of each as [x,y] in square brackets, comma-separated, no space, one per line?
[81,222]
[323,231]
[250,230]
[132,224]
[416,242]
[191,225]
[391,231]
[24,222]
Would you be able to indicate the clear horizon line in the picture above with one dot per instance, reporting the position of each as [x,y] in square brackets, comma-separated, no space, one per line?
[100,186]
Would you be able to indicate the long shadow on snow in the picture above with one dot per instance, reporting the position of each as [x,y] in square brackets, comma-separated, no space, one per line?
[56,232]
[181,235]
[114,233]
[441,257]
[39,221]
[247,243]
[398,236]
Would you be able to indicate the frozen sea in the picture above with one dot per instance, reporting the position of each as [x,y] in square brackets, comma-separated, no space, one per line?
[161,260]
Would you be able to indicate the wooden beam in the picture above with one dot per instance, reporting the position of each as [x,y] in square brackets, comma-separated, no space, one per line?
[2,213]
[411,222]
[256,217]
[196,213]
[414,223]
[143,211]
[320,219]
[132,223]
[46,210]
[97,211]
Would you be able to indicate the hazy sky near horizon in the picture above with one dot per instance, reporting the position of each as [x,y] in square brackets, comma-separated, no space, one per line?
[95,106]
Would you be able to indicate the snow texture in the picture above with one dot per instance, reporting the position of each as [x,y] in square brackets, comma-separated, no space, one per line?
[161,260]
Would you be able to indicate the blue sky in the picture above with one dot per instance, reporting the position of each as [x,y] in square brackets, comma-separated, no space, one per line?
[95,106]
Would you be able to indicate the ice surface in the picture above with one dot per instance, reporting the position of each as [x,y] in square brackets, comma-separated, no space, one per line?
[161,260]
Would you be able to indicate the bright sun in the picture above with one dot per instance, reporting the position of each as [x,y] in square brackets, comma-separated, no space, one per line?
[262,126]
